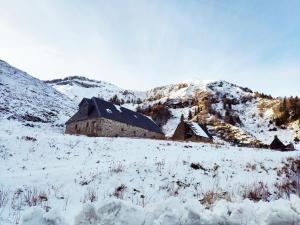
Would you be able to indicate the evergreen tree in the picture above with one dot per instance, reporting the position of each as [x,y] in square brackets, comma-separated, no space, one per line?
[115,100]
[190,115]
[181,118]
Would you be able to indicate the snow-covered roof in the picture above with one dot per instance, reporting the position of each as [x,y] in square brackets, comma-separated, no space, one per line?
[197,129]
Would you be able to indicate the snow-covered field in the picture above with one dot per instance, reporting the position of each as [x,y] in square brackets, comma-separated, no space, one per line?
[42,167]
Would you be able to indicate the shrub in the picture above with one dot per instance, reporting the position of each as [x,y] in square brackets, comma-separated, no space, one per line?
[210,197]
[289,111]
[257,192]
[160,113]
[3,198]
[197,166]
[33,197]
[90,196]
[119,191]
[27,138]
[116,168]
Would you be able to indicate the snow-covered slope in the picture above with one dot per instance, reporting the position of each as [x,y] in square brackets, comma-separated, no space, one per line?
[46,169]
[232,113]
[26,98]
[78,87]
[181,91]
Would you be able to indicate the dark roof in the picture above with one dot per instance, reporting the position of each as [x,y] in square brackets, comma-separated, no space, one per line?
[290,147]
[97,108]
[277,144]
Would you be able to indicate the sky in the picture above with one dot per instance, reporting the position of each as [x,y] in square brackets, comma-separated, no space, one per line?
[141,44]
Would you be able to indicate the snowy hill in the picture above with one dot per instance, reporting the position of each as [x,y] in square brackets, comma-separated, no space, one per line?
[78,87]
[232,113]
[26,98]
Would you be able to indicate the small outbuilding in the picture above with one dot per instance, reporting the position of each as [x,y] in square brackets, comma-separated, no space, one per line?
[97,117]
[192,131]
[278,145]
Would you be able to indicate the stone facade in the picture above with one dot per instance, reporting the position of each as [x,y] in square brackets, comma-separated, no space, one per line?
[102,127]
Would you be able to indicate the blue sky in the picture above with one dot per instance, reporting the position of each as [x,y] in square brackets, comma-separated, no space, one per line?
[142,44]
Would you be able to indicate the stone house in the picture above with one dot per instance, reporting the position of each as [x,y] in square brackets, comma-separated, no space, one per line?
[99,118]
[192,131]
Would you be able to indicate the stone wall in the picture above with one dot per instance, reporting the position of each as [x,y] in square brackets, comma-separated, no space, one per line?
[199,139]
[102,127]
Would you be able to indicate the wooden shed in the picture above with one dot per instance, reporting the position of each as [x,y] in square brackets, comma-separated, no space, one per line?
[278,145]
[192,131]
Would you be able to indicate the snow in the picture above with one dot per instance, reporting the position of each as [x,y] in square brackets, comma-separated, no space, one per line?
[170,127]
[118,108]
[109,111]
[36,216]
[48,177]
[198,130]
[183,90]
[255,121]
[174,212]
[22,95]
[257,124]
[67,168]
[78,88]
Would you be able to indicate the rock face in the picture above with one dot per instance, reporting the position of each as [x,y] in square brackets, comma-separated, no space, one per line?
[102,127]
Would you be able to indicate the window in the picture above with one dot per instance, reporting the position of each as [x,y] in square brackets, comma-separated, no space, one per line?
[87,124]
[134,133]
[76,127]
[122,129]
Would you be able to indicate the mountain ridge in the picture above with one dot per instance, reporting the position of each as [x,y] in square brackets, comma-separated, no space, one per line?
[231,113]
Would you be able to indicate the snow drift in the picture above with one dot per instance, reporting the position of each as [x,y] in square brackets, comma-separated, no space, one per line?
[173,212]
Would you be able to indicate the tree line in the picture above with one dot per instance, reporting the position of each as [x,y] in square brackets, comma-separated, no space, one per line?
[289,111]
